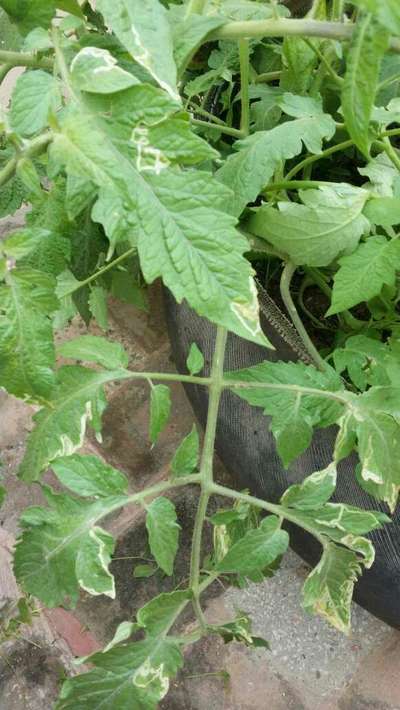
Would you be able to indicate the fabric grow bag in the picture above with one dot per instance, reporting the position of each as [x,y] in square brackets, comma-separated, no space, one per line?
[247,449]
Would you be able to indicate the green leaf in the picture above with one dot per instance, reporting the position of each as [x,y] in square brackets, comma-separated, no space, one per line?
[22,242]
[328,223]
[384,176]
[3,493]
[328,590]
[260,154]
[159,613]
[124,287]
[96,70]
[257,549]
[313,492]
[89,476]
[160,409]
[240,630]
[60,427]
[163,531]
[28,14]
[195,360]
[62,549]
[299,63]
[26,301]
[123,632]
[134,675]
[367,47]
[29,177]
[188,33]
[92,348]
[145,32]
[144,571]
[80,194]
[177,219]
[377,430]
[365,360]
[294,413]
[98,306]
[28,115]
[387,12]
[186,457]
[38,40]
[363,273]
[170,141]
[383,211]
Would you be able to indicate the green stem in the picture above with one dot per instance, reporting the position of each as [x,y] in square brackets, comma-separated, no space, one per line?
[207,114]
[391,132]
[319,156]
[216,127]
[286,278]
[321,56]
[25,59]
[289,28]
[36,146]
[101,271]
[206,465]
[244,86]
[268,76]
[296,185]
[61,63]
[337,10]
[390,152]
[278,510]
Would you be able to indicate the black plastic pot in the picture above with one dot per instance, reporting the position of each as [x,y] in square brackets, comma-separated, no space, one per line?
[247,449]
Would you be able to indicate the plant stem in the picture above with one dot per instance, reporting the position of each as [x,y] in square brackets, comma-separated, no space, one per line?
[278,510]
[289,28]
[296,185]
[206,466]
[216,127]
[268,76]
[101,271]
[244,86]
[25,59]
[61,63]
[319,156]
[34,147]
[207,114]
[390,152]
[287,275]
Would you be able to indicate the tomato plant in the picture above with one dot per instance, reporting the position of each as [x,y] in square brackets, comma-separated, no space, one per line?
[199,143]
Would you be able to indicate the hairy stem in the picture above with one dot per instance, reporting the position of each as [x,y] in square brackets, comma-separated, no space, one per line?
[217,127]
[101,271]
[319,156]
[289,28]
[296,185]
[34,147]
[206,466]
[286,278]
[244,86]
[390,152]
[25,59]
[268,76]
[280,511]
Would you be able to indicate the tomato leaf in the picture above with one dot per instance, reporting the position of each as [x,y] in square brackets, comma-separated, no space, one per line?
[160,408]
[367,47]
[163,531]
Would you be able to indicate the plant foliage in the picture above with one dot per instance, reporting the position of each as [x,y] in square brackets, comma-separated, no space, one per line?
[181,141]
